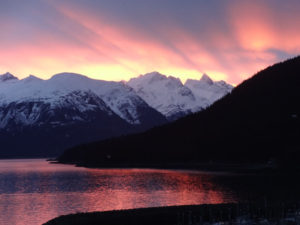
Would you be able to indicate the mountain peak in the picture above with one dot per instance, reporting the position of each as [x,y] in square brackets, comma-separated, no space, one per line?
[153,73]
[31,78]
[206,79]
[67,76]
[7,76]
[154,76]
[148,78]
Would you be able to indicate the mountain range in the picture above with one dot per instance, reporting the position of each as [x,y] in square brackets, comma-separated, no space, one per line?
[259,121]
[43,117]
[172,98]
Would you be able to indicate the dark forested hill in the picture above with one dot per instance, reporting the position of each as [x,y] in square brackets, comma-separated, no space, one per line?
[258,121]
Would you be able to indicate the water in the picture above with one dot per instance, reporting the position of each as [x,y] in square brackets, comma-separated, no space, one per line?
[34,191]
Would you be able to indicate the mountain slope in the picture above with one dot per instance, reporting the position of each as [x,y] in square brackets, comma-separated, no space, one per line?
[207,89]
[258,121]
[165,94]
[173,99]
[69,108]
[120,98]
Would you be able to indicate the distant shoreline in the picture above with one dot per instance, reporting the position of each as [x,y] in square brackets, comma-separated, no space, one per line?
[207,167]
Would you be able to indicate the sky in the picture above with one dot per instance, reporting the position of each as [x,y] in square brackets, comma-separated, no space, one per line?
[118,39]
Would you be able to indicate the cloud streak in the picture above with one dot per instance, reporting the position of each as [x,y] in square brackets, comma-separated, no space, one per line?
[116,40]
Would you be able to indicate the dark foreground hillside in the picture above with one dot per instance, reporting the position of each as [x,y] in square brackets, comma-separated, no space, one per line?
[264,214]
[258,122]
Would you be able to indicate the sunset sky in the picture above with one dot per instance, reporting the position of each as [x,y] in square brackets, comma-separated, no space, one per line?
[119,39]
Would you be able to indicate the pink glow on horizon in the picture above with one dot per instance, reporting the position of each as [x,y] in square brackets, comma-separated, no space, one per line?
[101,48]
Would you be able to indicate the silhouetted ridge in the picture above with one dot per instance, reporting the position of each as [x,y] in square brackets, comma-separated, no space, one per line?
[257,121]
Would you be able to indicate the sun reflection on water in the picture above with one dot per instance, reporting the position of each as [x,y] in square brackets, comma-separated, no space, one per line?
[34,191]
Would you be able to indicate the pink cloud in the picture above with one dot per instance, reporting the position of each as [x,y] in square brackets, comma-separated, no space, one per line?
[245,39]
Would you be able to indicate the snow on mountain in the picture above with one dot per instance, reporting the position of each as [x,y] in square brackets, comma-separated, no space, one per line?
[31,100]
[73,107]
[7,76]
[208,89]
[166,94]
[68,89]
[173,99]
[44,117]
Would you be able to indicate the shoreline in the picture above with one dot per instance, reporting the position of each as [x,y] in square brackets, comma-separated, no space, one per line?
[190,215]
[226,167]
[241,168]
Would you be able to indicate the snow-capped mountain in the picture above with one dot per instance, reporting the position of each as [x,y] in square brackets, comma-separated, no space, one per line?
[208,89]
[66,110]
[7,76]
[43,117]
[173,99]
[166,94]
[66,90]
